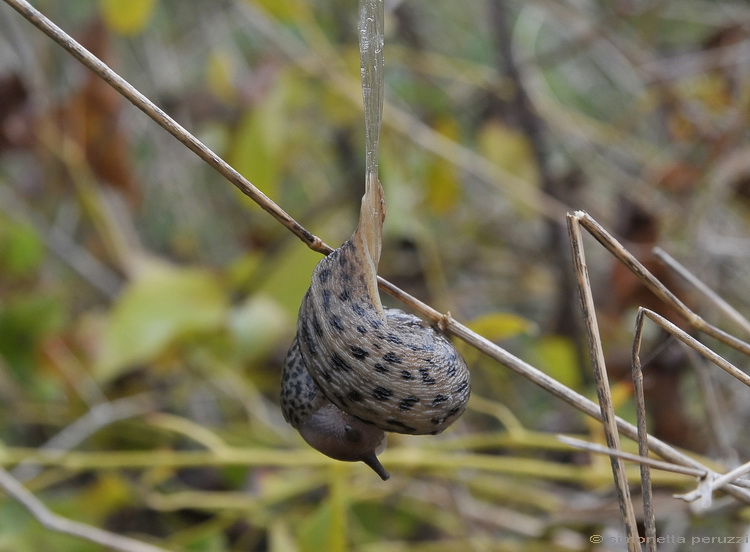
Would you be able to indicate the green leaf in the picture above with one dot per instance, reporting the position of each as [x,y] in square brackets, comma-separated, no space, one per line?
[288,280]
[557,357]
[280,9]
[127,17]
[21,249]
[155,311]
[316,533]
[25,321]
[257,145]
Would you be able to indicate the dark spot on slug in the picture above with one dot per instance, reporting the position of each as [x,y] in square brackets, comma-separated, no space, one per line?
[323,275]
[382,393]
[439,399]
[358,352]
[339,363]
[392,358]
[406,374]
[452,369]
[355,396]
[362,330]
[344,295]
[426,378]
[358,310]
[316,326]
[408,403]
[335,321]
[340,398]
[380,368]
[326,300]
[453,411]
[393,338]
[398,423]
[462,386]
[308,340]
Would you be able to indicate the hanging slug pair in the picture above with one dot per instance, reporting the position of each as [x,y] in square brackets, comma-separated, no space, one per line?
[356,369]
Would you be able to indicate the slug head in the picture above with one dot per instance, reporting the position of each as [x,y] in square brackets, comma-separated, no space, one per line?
[343,437]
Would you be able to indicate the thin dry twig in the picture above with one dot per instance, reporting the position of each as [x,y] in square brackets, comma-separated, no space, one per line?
[657,287]
[640,410]
[602,382]
[644,460]
[707,292]
[710,482]
[690,341]
[60,524]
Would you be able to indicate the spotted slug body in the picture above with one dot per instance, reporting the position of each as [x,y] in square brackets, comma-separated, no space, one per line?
[376,369]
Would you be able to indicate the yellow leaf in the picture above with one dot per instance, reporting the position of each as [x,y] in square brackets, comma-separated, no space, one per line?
[557,357]
[441,178]
[127,17]
[509,149]
[219,76]
[280,9]
[498,326]
[622,392]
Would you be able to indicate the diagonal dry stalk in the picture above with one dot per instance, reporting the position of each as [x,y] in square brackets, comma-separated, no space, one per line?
[603,412]
[709,481]
[703,492]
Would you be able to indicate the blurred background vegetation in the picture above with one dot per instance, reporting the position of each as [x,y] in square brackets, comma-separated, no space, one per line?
[146,306]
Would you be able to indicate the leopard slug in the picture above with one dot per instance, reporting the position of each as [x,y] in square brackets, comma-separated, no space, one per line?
[355,369]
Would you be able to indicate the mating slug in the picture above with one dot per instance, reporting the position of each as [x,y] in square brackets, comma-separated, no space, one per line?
[355,369]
